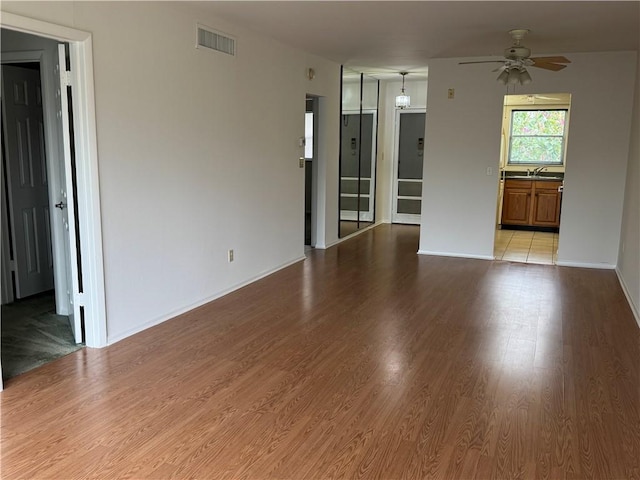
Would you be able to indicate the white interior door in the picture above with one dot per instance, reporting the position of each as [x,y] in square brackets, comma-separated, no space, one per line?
[27,182]
[407,178]
[67,203]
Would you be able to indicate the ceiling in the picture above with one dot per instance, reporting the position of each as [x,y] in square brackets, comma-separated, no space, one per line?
[389,36]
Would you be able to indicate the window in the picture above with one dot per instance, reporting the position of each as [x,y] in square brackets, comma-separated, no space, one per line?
[537,137]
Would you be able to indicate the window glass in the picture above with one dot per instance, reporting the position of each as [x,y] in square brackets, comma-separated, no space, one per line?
[537,137]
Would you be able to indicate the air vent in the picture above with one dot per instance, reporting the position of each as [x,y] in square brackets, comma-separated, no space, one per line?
[220,42]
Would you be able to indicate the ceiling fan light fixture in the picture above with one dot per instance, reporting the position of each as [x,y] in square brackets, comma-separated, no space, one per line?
[504,75]
[513,77]
[517,57]
[403,100]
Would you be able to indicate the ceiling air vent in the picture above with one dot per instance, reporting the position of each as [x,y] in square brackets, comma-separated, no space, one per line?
[209,38]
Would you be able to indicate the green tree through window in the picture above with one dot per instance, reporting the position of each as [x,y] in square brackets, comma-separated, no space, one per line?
[537,137]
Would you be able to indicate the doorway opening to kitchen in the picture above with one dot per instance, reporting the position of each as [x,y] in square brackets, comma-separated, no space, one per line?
[532,166]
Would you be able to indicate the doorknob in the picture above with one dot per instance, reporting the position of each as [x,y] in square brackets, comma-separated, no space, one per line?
[61,205]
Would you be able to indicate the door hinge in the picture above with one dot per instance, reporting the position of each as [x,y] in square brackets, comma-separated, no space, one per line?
[80,300]
[66,78]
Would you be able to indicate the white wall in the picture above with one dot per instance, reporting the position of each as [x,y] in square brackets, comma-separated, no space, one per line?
[198,154]
[351,94]
[463,139]
[629,259]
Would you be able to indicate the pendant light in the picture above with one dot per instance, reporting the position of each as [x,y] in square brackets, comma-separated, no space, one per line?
[403,100]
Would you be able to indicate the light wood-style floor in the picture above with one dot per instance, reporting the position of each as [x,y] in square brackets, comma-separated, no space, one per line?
[364,361]
[526,247]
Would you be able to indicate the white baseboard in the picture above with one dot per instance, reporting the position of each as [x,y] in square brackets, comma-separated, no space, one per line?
[180,311]
[625,289]
[601,266]
[328,245]
[354,234]
[455,255]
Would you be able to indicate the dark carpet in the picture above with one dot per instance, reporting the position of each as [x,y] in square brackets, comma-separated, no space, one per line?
[32,334]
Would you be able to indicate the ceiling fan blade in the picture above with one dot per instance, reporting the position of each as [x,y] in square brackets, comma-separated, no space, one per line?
[482,61]
[551,59]
[549,66]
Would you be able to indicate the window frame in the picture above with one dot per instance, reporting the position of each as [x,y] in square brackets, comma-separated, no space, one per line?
[522,108]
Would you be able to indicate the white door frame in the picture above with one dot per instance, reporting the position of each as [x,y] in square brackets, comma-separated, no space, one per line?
[80,49]
[395,216]
[315,195]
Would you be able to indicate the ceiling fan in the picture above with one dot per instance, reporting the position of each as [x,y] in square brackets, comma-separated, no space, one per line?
[517,57]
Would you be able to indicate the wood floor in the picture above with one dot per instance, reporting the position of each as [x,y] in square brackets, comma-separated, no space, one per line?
[364,361]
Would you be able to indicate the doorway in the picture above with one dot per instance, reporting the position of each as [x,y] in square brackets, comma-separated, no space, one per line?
[310,131]
[408,166]
[36,308]
[88,297]
[534,140]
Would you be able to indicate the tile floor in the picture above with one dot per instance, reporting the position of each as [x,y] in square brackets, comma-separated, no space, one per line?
[526,247]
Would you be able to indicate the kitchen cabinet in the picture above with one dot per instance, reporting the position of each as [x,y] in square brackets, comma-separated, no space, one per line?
[532,203]
[516,206]
[545,211]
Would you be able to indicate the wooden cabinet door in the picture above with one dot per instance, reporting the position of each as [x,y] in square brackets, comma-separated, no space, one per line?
[516,206]
[546,206]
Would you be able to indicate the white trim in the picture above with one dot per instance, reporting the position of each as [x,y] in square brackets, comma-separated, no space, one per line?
[328,245]
[202,302]
[625,289]
[407,219]
[351,235]
[89,193]
[456,255]
[600,266]
[324,157]
[80,44]
[42,29]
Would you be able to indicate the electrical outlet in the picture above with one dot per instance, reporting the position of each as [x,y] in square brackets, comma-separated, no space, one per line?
[451,93]
[230,255]
[489,171]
